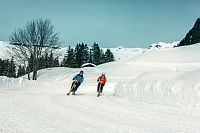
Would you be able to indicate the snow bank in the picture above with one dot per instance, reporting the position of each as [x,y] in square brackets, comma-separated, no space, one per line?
[47,78]
[180,89]
[9,83]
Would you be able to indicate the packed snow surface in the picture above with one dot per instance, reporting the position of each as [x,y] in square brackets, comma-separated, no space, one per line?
[148,91]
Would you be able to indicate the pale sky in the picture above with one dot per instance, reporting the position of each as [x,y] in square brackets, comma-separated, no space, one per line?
[111,23]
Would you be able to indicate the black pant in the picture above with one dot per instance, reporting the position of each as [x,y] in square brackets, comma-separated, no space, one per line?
[100,86]
[77,84]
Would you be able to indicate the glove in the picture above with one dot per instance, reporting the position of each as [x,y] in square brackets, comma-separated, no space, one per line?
[75,81]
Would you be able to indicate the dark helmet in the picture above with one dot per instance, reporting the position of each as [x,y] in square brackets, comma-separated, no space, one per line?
[81,72]
[103,74]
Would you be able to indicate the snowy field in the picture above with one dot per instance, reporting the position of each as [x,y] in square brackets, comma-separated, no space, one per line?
[148,91]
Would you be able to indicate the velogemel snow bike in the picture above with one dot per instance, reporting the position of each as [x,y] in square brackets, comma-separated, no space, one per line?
[99,90]
[73,88]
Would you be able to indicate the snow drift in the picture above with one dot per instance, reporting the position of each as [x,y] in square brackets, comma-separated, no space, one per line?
[178,87]
[169,88]
[9,83]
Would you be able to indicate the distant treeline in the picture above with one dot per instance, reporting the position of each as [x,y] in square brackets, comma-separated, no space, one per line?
[46,61]
[81,54]
[9,68]
[74,58]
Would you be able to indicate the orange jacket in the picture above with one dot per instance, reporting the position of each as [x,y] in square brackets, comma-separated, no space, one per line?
[102,79]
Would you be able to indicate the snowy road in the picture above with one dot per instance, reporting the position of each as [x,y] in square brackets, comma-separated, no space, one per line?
[44,107]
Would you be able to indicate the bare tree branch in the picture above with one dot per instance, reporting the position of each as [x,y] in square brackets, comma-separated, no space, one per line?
[36,38]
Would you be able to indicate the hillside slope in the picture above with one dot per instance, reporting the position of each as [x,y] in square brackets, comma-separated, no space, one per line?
[43,106]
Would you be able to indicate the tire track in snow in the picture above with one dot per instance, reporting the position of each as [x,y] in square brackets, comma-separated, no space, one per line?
[123,117]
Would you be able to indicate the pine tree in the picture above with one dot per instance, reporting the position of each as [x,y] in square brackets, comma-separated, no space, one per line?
[51,60]
[75,58]
[85,54]
[1,66]
[11,68]
[46,61]
[30,63]
[21,71]
[95,54]
[64,62]
[69,59]
[56,62]
[90,56]
[5,67]
[43,62]
[40,63]
[79,54]
[109,56]
[102,57]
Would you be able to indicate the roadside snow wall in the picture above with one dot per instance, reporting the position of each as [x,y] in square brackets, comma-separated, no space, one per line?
[180,89]
[9,83]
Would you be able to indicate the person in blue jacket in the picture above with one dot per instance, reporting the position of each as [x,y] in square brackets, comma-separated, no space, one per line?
[77,80]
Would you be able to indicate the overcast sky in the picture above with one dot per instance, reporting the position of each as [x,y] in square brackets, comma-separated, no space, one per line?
[111,23]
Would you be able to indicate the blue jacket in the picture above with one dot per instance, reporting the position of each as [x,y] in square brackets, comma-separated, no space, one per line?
[78,78]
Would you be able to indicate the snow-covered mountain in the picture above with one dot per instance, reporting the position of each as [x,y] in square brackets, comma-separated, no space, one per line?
[163,45]
[148,91]
[119,52]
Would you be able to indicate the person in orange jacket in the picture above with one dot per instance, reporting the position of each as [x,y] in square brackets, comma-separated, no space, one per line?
[101,82]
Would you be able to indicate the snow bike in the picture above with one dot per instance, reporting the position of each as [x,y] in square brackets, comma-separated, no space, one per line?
[99,90]
[73,88]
